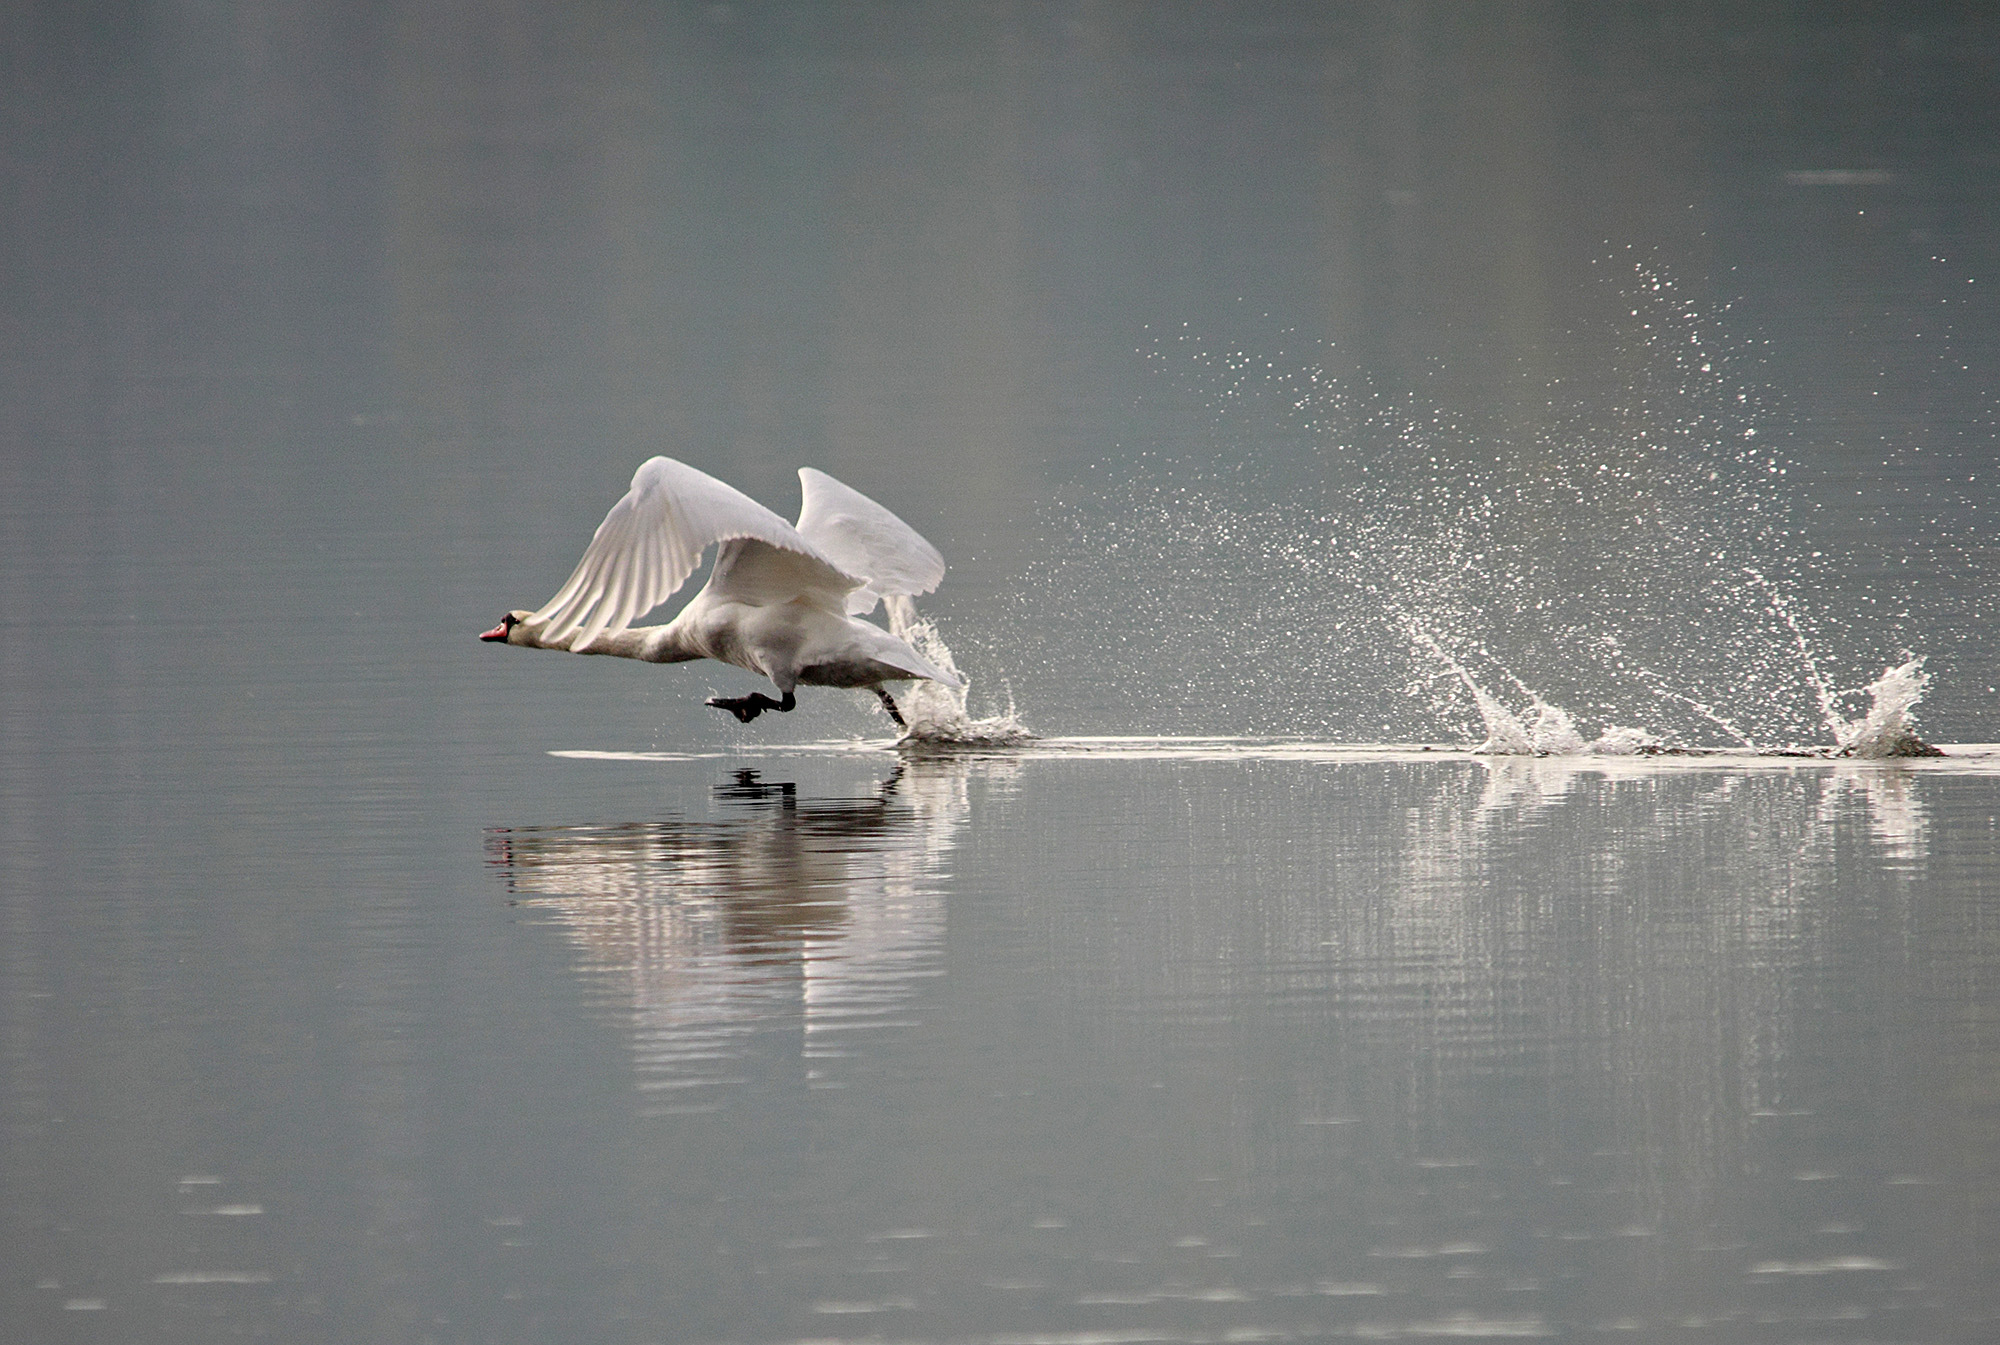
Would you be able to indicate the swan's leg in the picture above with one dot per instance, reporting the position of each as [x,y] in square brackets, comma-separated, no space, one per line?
[747,708]
[890,706]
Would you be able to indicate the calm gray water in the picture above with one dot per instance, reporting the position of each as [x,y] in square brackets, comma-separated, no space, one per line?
[1068,1048]
[360,982]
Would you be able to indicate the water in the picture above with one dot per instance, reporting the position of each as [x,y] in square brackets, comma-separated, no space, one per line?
[1121,1039]
[1369,1043]
[1291,395]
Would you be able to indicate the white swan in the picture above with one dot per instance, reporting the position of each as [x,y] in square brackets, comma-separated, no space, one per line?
[783,601]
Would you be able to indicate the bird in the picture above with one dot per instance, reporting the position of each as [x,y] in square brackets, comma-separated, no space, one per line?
[783,600]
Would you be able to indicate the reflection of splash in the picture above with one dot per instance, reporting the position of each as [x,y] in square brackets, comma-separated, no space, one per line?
[1763,849]
[1669,918]
[786,913]
[1881,795]
[1897,818]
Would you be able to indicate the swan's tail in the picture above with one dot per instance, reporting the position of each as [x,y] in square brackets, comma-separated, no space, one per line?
[910,660]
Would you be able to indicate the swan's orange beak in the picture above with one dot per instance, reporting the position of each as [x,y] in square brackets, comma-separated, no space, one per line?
[499,632]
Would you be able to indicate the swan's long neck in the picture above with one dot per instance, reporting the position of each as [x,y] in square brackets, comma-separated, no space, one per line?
[650,644]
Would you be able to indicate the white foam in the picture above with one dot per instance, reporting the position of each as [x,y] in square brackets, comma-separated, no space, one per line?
[1887,729]
[936,713]
[1623,742]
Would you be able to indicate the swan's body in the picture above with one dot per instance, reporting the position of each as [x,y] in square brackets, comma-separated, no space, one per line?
[784,601]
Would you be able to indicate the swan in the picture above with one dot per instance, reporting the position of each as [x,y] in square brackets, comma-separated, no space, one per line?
[784,600]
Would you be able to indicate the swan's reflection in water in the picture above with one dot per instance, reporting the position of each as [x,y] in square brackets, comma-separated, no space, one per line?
[786,914]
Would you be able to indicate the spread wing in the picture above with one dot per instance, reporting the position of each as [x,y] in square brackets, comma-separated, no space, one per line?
[651,541]
[863,538]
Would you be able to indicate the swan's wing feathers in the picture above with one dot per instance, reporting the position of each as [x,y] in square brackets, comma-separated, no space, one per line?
[750,570]
[651,542]
[863,538]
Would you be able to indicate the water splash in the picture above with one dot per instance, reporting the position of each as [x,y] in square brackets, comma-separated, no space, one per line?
[1888,728]
[1632,553]
[1827,701]
[1506,735]
[1551,733]
[936,714]
[1653,683]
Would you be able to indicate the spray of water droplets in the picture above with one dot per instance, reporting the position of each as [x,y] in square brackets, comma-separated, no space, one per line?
[936,715]
[1621,574]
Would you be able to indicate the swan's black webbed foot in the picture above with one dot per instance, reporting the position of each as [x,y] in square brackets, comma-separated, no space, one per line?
[890,706]
[747,708]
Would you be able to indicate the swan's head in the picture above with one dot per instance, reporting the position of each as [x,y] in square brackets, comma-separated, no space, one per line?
[503,633]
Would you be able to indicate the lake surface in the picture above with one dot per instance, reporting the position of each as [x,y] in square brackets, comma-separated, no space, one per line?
[1271,376]
[1154,1044]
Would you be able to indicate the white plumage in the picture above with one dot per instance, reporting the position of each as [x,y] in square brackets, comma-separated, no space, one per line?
[783,601]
